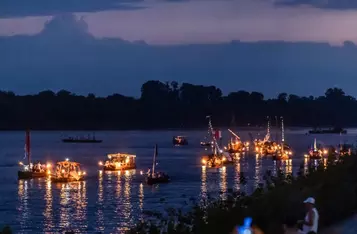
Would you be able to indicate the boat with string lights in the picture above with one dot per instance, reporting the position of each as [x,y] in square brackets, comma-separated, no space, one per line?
[236,145]
[118,162]
[30,170]
[317,152]
[278,150]
[345,149]
[218,157]
[67,171]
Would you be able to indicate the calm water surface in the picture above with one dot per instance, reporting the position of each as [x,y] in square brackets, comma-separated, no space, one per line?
[112,202]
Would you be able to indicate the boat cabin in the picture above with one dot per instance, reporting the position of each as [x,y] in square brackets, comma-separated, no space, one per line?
[179,140]
[67,171]
[119,161]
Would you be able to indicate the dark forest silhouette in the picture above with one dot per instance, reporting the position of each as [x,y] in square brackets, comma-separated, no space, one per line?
[170,105]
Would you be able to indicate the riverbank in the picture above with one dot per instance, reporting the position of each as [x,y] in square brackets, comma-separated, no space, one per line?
[272,205]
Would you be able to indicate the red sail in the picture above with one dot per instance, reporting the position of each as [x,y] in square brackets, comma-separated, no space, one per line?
[28,146]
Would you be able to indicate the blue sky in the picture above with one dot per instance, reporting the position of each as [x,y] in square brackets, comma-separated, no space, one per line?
[188,41]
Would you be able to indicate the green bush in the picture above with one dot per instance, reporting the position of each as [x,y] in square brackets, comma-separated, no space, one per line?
[271,206]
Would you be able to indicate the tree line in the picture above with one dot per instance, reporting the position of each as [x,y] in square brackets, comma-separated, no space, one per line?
[172,105]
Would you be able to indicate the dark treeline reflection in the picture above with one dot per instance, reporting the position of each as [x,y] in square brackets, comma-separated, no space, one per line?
[170,105]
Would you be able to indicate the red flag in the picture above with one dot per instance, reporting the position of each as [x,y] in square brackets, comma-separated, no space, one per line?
[218,134]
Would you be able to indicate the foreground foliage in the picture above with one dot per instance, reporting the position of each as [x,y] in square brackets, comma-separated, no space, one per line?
[279,202]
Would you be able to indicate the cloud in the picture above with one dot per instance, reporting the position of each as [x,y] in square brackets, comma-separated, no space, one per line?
[65,56]
[328,4]
[24,8]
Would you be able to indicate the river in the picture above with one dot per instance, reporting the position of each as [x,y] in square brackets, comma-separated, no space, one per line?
[112,202]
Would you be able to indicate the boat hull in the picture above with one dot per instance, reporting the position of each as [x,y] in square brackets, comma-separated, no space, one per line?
[162,180]
[30,174]
[65,180]
[120,169]
[81,141]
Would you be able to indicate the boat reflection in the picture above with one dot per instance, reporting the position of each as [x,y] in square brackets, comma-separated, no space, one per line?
[100,214]
[203,185]
[23,208]
[223,182]
[258,171]
[237,176]
[48,225]
[123,201]
[73,196]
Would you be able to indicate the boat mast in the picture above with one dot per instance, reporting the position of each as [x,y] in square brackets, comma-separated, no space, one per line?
[267,136]
[27,146]
[216,146]
[154,160]
[277,128]
[282,129]
[315,145]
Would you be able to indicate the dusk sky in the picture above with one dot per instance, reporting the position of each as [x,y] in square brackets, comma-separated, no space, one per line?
[38,57]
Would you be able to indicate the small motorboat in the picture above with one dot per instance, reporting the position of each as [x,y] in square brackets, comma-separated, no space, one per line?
[87,139]
[179,140]
[67,171]
[119,161]
[154,177]
[29,171]
[206,144]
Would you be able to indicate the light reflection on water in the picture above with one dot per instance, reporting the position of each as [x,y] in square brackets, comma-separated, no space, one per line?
[48,212]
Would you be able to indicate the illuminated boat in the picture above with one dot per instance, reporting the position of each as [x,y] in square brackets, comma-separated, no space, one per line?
[345,149]
[179,140]
[119,161]
[87,139]
[317,152]
[154,177]
[217,158]
[67,171]
[29,171]
[236,145]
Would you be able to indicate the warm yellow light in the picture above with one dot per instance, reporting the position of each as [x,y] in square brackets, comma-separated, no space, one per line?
[325,151]
[100,163]
[48,165]
[306,156]
[84,173]
[100,172]
[62,171]
[126,172]
[20,163]
[48,172]
[224,159]
[79,173]
[256,149]
[127,160]
[203,161]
